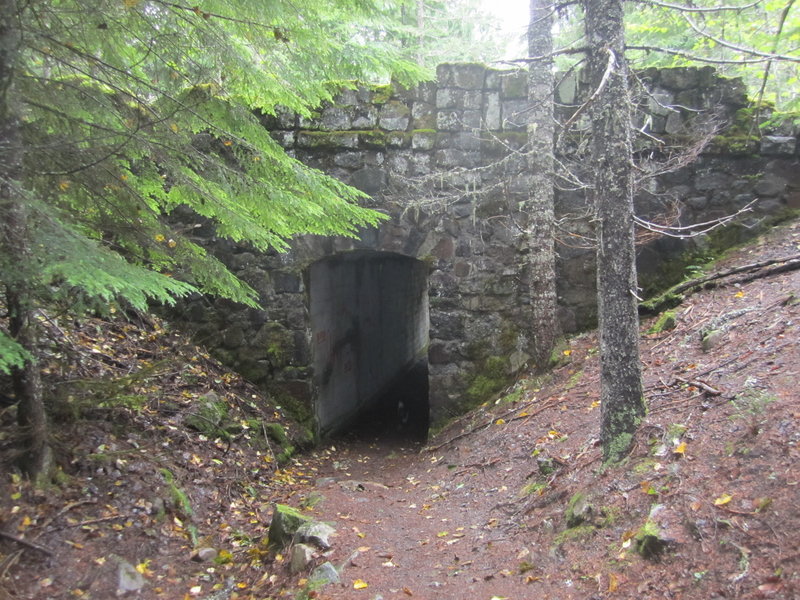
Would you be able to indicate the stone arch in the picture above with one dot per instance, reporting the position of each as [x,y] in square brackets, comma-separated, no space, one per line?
[369,323]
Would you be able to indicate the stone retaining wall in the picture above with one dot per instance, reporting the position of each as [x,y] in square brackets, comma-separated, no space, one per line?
[445,161]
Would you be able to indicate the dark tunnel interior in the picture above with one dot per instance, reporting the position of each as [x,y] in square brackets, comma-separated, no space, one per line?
[370,327]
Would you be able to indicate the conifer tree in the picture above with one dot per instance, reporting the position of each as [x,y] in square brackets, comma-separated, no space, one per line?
[114,113]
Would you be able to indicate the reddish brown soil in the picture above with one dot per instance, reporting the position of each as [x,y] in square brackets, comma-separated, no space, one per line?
[472,515]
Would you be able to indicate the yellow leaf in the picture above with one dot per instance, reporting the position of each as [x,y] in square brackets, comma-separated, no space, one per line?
[443,534]
[63,185]
[739,295]
[159,238]
[130,3]
[172,243]
[567,352]
[174,127]
[227,143]
[359,584]
[613,582]
[723,500]
[500,422]
[680,449]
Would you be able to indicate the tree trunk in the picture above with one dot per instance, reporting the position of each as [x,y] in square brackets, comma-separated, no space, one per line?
[541,134]
[623,405]
[17,258]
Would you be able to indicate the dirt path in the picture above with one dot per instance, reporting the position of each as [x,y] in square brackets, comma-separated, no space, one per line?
[508,502]
[715,466]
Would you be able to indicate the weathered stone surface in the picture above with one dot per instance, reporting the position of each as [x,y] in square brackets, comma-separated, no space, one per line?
[302,557]
[442,161]
[316,533]
[285,523]
[778,145]
[394,116]
[324,574]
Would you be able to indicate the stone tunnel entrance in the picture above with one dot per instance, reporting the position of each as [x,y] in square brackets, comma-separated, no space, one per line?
[370,326]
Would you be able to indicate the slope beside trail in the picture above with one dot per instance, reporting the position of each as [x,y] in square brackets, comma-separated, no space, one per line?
[512,501]
[509,501]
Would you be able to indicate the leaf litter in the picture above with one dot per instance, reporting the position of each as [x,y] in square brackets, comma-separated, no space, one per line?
[711,486]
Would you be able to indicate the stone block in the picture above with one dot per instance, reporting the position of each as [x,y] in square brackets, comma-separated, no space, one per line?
[369,180]
[394,116]
[770,185]
[492,111]
[423,140]
[335,118]
[365,117]
[465,76]
[448,120]
[778,145]
[449,98]
[515,114]
[567,89]
[514,85]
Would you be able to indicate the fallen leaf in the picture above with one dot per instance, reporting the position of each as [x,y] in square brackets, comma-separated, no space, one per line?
[723,500]
[359,584]
[500,422]
[613,582]
[680,449]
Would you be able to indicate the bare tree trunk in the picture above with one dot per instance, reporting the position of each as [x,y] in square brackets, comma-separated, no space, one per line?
[17,259]
[541,134]
[623,405]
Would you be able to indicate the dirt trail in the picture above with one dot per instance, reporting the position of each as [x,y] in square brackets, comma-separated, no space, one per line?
[508,502]
[715,466]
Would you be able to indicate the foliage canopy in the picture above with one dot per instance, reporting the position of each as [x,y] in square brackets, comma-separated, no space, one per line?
[120,112]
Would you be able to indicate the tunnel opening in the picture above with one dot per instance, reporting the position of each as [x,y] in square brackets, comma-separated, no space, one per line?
[370,331]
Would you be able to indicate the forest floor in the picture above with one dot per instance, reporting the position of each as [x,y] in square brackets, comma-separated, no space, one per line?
[510,501]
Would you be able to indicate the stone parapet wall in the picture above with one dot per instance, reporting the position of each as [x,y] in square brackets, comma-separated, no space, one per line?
[445,162]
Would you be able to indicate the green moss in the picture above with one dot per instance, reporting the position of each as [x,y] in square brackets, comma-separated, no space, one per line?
[559,355]
[277,434]
[381,93]
[512,397]
[373,139]
[667,321]
[177,496]
[482,387]
[578,509]
[648,540]
[573,380]
[535,487]
[574,534]
[659,287]
[616,449]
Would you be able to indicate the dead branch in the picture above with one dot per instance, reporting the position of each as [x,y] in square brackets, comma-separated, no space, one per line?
[26,543]
[698,58]
[744,50]
[690,231]
[793,262]
[709,390]
[755,271]
[696,9]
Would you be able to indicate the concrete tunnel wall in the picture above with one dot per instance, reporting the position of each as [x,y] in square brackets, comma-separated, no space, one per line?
[369,320]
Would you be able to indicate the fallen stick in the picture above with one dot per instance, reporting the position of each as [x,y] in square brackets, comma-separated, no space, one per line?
[26,543]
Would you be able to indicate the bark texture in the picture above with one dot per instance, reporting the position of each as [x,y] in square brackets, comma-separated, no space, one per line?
[623,405]
[37,459]
[541,134]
